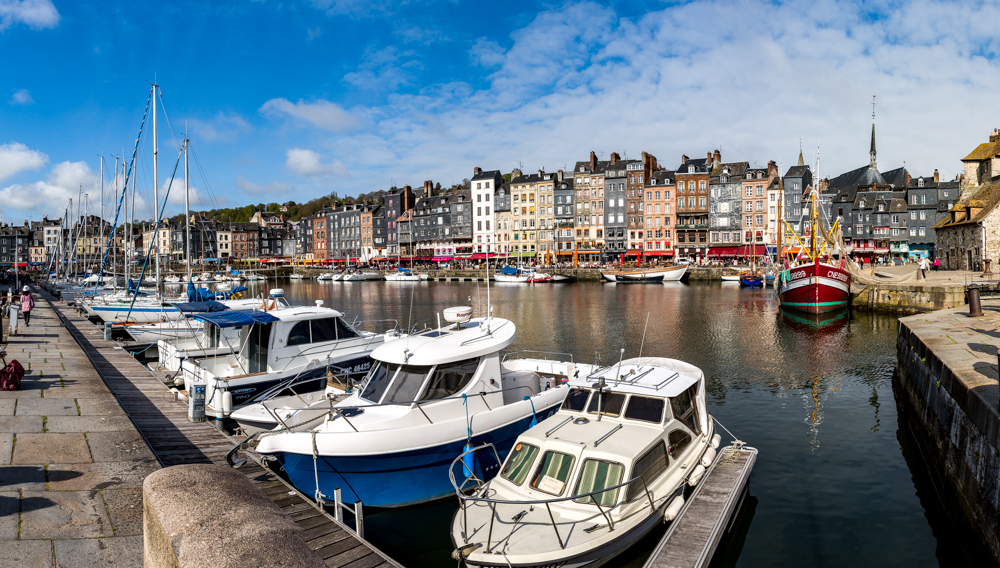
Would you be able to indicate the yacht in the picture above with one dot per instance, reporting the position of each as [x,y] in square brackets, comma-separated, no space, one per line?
[291,347]
[428,397]
[593,479]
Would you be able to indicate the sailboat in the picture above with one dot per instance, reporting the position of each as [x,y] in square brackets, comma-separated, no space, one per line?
[752,278]
[405,274]
[814,286]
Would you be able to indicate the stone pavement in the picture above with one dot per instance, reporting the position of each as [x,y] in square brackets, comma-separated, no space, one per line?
[71,462]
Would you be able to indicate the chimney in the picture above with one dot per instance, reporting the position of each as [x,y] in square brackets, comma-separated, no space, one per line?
[559,175]
[708,161]
[477,170]
[429,188]
[593,161]
[717,157]
[614,158]
[684,158]
[937,176]
[995,135]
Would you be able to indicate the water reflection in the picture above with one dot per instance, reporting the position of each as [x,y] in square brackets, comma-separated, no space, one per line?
[831,488]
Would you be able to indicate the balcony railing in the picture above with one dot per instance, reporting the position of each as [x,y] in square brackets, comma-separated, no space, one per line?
[690,226]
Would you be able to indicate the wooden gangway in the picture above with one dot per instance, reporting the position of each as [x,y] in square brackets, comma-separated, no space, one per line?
[708,514]
[162,421]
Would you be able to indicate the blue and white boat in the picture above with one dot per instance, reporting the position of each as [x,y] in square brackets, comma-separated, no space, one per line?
[428,397]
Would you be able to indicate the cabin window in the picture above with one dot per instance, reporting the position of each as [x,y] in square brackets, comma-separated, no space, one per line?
[611,403]
[519,463]
[553,472]
[299,334]
[450,378]
[645,408]
[597,475]
[406,385]
[323,330]
[254,339]
[684,409]
[648,467]
[576,400]
[679,441]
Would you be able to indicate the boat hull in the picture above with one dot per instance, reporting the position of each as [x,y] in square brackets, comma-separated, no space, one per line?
[814,288]
[399,479]
[672,274]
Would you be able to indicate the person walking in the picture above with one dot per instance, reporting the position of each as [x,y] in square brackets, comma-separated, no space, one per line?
[923,267]
[27,304]
[935,263]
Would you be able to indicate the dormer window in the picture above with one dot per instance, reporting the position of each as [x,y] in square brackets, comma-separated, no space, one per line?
[920,182]
[723,179]
[862,204]
[881,207]
[690,169]
[760,175]
[749,175]
[725,170]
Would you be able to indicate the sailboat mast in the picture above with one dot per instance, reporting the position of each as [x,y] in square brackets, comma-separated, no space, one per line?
[156,183]
[813,240]
[187,214]
[130,219]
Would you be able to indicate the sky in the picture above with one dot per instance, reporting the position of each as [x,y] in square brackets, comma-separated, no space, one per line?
[292,100]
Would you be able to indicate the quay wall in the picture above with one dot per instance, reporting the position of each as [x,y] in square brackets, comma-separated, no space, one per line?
[948,400]
[909,298]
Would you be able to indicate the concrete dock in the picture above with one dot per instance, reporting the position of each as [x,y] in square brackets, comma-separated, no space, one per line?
[72,461]
[946,388]
[694,536]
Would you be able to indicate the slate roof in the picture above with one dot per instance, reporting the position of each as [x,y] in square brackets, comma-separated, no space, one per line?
[845,186]
[896,177]
[737,170]
[700,164]
[662,177]
[797,171]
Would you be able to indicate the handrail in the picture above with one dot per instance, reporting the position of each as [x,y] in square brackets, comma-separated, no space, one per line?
[508,354]
[494,502]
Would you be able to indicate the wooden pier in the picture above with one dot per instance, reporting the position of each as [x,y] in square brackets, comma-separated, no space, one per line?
[707,516]
[162,421]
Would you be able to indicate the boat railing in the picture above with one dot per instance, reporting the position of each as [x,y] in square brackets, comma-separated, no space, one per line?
[464,499]
[395,324]
[545,355]
[329,409]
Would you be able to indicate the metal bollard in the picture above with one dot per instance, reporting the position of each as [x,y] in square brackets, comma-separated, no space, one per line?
[107,330]
[975,306]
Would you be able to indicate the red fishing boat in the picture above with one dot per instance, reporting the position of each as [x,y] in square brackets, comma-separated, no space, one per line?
[812,285]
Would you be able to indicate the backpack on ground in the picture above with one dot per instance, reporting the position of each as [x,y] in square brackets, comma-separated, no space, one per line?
[11,375]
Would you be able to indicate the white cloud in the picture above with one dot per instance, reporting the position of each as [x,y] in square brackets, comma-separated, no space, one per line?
[224,127]
[383,70]
[16,157]
[47,197]
[321,114]
[22,97]
[275,190]
[357,8]
[312,34]
[305,162]
[486,52]
[36,14]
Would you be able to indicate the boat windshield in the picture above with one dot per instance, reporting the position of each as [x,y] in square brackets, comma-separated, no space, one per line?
[519,463]
[553,472]
[684,409]
[450,378]
[576,400]
[611,403]
[406,385]
[645,408]
[597,475]
[378,380]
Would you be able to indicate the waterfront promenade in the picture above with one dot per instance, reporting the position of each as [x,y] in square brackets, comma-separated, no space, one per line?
[72,462]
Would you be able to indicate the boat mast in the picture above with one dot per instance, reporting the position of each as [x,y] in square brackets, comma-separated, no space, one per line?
[187,215]
[130,223]
[156,183]
[813,240]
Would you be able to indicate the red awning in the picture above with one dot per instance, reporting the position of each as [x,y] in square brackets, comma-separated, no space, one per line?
[482,256]
[723,251]
[755,250]
[441,258]
[659,253]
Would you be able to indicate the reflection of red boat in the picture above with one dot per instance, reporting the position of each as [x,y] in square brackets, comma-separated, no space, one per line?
[814,287]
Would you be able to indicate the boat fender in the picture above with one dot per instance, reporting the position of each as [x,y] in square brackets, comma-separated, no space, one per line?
[227,403]
[179,381]
[708,457]
[716,440]
[534,418]
[468,461]
[674,508]
[695,477]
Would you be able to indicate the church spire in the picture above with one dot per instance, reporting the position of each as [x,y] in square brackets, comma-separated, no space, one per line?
[801,161]
[872,151]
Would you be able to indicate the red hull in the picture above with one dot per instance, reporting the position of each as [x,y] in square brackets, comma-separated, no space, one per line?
[814,288]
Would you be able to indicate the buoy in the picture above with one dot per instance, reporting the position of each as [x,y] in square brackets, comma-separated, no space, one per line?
[716,440]
[468,461]
[674,508]
[708,458]
[227,403]
[696,475]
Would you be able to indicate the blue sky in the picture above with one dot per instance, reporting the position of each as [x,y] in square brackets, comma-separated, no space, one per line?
[296,99]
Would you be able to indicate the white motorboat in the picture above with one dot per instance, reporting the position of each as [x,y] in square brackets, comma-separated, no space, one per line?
[402,275]
[596,477]
[511,274]
[428,397]
[354,277]
[283,348]
[297,277]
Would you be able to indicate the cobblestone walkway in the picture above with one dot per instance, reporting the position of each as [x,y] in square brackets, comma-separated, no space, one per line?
[72,463]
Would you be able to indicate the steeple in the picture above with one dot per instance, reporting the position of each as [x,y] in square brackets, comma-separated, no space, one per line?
[801,161]
[872,151]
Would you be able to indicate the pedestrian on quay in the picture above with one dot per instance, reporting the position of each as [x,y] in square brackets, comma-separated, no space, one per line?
[923,267]
[935,263]
[27,304]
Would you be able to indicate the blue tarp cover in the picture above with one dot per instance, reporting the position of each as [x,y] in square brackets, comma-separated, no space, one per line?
[237,318]
[196,307]
[508,270]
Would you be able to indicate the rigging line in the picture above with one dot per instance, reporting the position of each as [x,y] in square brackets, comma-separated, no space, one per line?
[163,107]
[208,186]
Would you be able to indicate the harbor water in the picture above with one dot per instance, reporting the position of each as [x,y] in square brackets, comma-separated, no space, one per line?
[838,481]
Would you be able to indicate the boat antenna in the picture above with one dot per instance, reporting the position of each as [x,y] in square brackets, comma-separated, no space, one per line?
[489,306]
[643,343]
